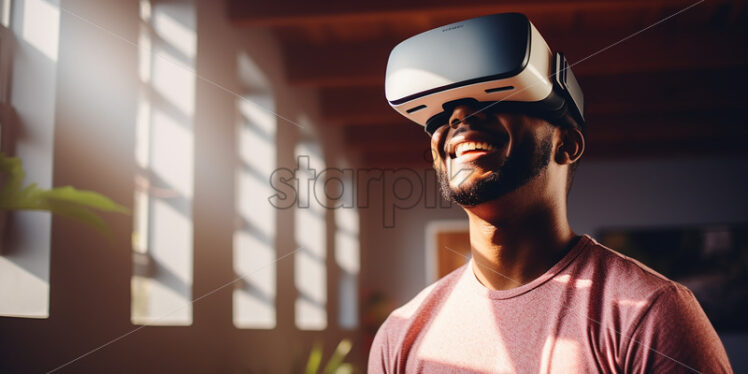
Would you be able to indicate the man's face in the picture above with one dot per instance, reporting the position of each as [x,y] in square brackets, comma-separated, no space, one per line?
[483,156]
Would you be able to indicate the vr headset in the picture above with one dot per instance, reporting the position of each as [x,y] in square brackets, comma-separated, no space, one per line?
[499,61]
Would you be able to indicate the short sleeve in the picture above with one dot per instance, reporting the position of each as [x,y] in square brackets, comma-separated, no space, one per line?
[675,336]
[379,352]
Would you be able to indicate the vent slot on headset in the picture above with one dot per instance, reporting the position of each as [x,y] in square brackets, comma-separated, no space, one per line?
[415,109]
[499,89]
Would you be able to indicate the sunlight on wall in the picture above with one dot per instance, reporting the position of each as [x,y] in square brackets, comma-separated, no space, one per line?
[5,12]
[41,25]
[173,80]
[172,152]
[310,231]
[347,257]
[254,240]
[164,154]
[176,34]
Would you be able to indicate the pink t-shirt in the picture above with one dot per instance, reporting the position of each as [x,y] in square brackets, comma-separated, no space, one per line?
[594,311]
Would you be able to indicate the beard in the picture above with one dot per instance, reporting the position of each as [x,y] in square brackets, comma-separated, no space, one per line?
[530,159]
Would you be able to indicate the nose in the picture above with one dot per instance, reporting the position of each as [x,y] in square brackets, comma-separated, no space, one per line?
[464,114]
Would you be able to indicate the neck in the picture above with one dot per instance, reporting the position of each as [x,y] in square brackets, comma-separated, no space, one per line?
[509,251]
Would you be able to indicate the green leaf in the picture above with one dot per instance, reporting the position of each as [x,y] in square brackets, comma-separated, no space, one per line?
[315,359]
[338,356]
[12,169]
[86,198]
[80,213]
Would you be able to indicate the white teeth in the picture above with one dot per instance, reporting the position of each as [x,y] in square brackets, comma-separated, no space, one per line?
[463,147]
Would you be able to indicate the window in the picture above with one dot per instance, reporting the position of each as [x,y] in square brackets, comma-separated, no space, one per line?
[162,238]
[347,257]
[254,239]
[310,230]
[29,38]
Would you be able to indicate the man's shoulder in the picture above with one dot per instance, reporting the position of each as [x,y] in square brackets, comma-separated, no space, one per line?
[621,274]
[411,316]
[662,324]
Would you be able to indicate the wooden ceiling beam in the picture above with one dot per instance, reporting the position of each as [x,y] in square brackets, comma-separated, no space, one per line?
[282,13]
[364,63]
[356,105]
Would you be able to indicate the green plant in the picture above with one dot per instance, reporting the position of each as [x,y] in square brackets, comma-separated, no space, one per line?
[335,364]
[65,201]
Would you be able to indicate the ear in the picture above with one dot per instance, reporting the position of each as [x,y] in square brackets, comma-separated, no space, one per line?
[570,147]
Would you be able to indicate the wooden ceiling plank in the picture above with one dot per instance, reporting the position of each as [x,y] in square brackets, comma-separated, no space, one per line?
[365,63]
[303,12]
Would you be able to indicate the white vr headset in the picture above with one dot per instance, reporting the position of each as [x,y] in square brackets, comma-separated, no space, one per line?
[499,60]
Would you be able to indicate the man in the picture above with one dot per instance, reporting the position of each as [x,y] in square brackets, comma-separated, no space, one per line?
[535,297]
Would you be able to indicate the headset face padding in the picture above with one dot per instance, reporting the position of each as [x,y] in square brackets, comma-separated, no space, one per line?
[500,59]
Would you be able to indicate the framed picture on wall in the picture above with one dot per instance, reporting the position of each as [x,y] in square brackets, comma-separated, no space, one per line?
[447,247]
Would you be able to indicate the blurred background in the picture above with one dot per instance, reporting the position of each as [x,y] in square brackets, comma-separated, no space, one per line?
[277,204]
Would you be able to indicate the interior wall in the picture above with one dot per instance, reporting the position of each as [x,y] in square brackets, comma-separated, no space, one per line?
[646,193]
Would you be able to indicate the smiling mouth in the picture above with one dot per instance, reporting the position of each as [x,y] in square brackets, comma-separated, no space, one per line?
[468,148]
